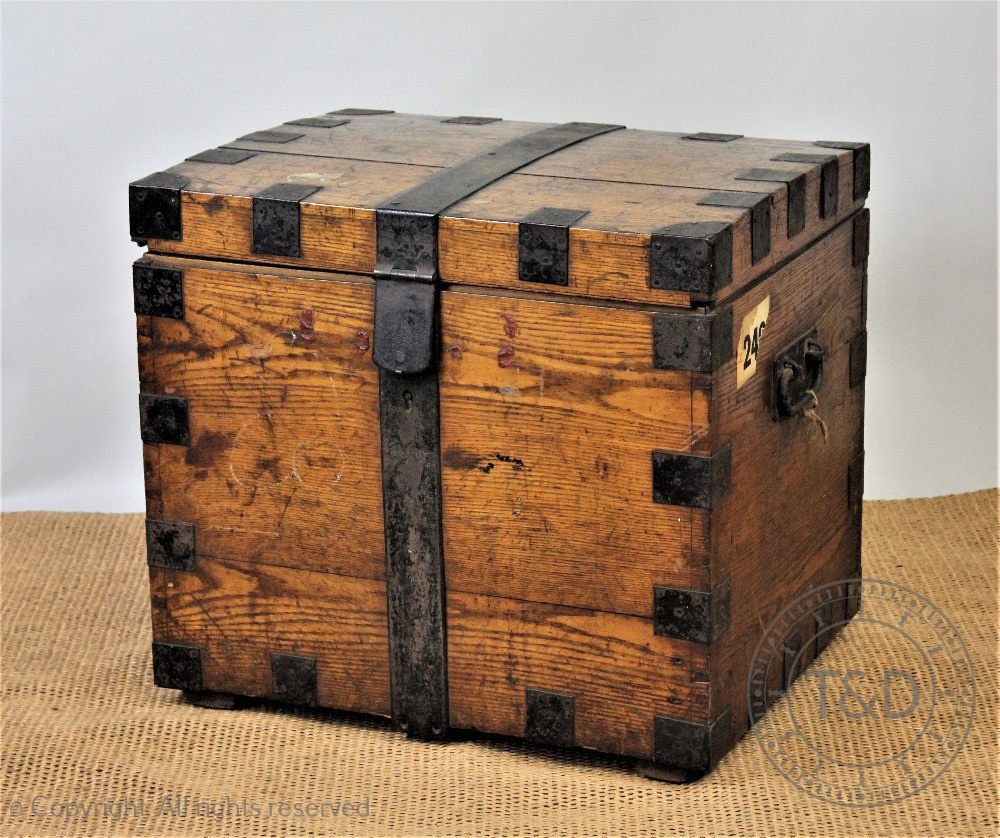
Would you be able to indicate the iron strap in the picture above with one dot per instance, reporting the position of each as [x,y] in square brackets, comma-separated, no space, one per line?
[406,224]
[404,347]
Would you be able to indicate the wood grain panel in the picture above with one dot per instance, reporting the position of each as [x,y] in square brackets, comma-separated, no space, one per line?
[550,412]
[284,466]
[337,222]
[239,613]
[609,247]
[332,238]
[397,138]
[603,266]
[619,674]
[667,159]
[786,526]
[145,332]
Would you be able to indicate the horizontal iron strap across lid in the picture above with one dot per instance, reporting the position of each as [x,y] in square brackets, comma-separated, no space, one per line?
[406,224]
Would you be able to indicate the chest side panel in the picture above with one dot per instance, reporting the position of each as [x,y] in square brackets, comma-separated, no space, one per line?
[247,621]
[281,399]
[792,521]
[264,507]
[550,412]
[610,671]
[554,541]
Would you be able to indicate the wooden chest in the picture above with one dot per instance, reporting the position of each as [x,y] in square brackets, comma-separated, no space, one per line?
[497,426]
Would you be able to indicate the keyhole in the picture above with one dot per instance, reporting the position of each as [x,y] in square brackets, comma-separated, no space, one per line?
[407,400]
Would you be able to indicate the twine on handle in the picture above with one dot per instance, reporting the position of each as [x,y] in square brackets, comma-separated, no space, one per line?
[811,414]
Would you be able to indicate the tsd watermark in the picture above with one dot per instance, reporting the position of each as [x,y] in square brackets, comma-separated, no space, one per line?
[867,736]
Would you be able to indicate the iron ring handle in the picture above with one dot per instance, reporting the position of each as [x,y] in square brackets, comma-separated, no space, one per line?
[792,371]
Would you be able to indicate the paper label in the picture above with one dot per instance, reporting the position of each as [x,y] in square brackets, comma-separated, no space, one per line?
[751,336]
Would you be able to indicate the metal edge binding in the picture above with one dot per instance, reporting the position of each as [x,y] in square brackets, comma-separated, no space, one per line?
[157,292]
[155,206]
[693,257]
[696,616]
[759,205]
[693,342]
[543,245]
[277,219]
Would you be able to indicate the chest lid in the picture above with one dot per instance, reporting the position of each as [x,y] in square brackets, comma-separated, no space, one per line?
[595,211]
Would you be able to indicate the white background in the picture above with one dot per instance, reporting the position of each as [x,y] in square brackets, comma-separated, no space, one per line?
[97,95]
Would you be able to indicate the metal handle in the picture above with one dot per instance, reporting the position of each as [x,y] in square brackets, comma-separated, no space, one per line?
[798,374]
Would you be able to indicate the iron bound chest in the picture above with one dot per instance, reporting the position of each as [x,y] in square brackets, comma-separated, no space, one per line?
[518,428]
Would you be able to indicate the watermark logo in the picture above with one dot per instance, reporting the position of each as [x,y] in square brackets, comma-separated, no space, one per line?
[870,734]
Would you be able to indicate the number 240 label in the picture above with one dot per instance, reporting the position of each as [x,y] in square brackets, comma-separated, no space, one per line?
[751,335]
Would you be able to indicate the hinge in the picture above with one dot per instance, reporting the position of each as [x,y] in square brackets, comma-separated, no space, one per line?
[405,244]
[862,160]
[691,479]
[543,245]
[277,219]
[759,205]
[796,188]
[829,179]
[696,257]
[154,206]
[698,616]
[550,718]
[158,292]
[694,342]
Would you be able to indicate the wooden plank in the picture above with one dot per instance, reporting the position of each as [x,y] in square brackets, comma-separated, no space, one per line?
[239,613]
[396,138]
[284,466]
[609,247]
[147,359]
[788,527]
[667,159]
[145,332]
[337,222]
[619,673]
[550,412]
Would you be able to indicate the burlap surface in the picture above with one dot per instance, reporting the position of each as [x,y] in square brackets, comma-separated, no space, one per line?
[83,725]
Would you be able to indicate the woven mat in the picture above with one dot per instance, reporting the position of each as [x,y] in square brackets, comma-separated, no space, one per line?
[82,724]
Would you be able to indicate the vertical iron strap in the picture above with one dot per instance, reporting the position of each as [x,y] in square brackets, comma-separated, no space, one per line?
[405,343]
[411,491]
